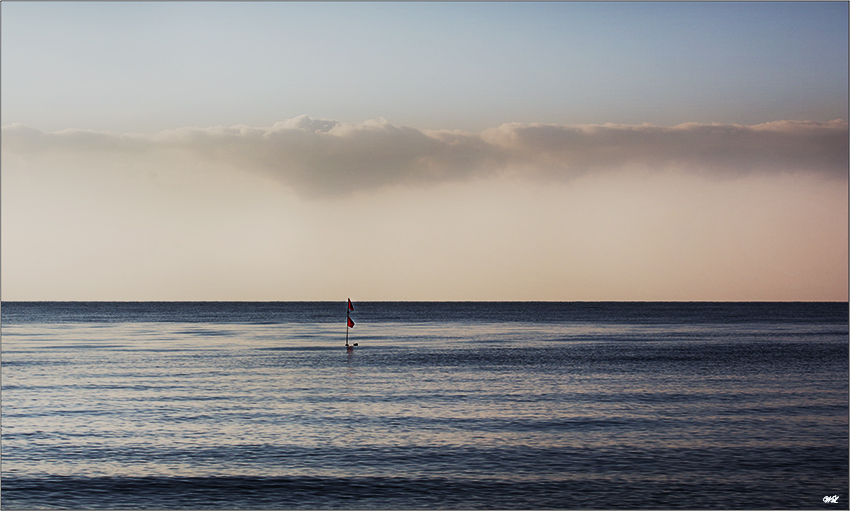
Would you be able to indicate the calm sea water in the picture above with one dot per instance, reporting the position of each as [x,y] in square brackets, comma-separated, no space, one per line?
[442,405]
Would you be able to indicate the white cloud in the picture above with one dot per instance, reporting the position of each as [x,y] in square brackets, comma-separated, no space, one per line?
[326,157]
[717,148]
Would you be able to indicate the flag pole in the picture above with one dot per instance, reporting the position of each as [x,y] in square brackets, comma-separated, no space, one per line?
[348,324]
[347,320]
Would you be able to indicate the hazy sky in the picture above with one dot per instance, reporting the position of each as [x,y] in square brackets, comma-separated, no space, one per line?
[424,151]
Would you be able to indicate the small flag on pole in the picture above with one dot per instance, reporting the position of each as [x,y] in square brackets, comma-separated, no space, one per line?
[349,324]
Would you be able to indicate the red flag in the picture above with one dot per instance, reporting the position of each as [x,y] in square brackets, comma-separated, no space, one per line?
[350,323]
[350,307]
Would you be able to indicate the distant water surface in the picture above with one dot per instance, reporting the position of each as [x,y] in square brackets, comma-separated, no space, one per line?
[467,405]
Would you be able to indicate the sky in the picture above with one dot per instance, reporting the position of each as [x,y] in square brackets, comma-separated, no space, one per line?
[424,151]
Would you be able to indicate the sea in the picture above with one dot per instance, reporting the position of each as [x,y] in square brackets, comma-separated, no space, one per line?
[440,405]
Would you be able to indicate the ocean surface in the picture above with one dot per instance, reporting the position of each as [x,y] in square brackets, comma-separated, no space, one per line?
[442,405]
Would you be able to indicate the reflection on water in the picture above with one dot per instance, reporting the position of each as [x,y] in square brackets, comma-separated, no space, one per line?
[474,415]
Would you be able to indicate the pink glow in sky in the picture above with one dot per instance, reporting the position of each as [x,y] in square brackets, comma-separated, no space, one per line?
[548,151]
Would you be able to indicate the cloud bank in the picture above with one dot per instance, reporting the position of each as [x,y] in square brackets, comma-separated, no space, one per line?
[326,157]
